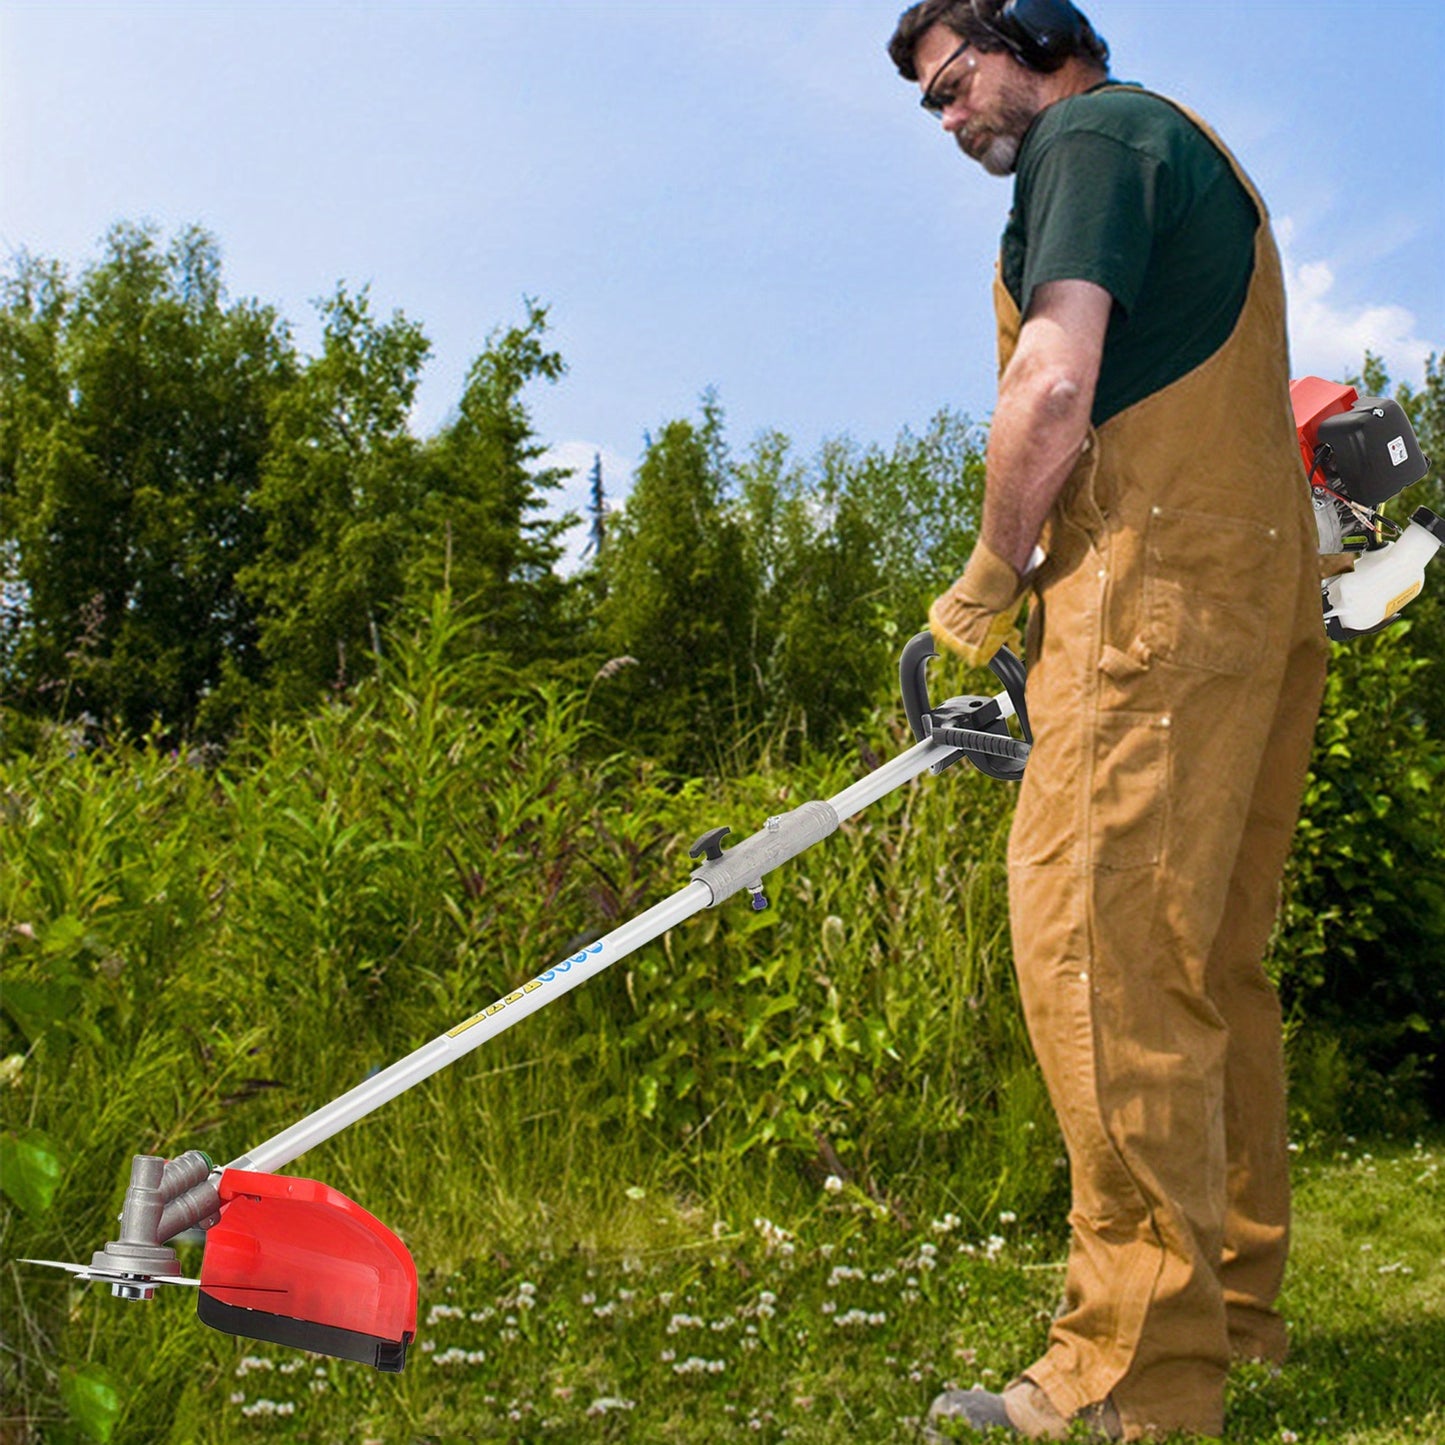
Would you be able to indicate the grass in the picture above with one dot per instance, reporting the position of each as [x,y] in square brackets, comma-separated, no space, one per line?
[655,1319]
[195,956]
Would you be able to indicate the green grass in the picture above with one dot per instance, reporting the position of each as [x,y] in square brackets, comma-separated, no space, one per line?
[194,956]
[650,1319]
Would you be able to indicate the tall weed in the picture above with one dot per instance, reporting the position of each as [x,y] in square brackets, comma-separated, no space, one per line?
[197,954]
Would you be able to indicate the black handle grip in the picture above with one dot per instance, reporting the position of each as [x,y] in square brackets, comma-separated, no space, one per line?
[913,681]
[989,745]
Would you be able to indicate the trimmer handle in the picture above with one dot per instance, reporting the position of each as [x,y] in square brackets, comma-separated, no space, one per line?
[913,683]
[913,680]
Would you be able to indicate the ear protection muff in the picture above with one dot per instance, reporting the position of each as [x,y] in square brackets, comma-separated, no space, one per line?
[1042,34]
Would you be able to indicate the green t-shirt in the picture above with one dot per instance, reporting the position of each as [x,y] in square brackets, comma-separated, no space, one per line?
[1117,187]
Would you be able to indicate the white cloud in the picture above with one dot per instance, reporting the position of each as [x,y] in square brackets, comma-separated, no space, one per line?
[575,493]
[1329,337]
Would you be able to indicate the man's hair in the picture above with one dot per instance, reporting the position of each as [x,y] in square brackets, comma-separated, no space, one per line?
[974,21]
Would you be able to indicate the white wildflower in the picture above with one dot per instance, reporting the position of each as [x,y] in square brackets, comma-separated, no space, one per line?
[604,1403]
[696,1365]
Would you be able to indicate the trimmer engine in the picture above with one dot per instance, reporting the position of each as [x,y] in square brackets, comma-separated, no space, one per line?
[1360,452]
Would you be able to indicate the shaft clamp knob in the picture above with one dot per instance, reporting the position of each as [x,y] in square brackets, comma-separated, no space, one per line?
[709,846]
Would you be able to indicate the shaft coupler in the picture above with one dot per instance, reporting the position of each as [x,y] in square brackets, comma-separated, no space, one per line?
[729,870]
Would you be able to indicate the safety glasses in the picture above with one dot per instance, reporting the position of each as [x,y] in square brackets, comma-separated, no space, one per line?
[936,101]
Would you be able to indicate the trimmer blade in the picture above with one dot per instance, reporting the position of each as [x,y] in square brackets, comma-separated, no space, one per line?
[90,1275]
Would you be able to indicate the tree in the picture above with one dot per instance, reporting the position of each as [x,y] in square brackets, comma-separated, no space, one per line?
[135,407]
[596,509]
[679,604]
[821,643]
[483,528]
[924,501]
[341,488]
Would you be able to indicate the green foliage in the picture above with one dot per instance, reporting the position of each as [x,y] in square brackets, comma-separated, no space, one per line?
[924,502]
[342,481]
[93,1401]
[820,639]
[1363,923]
[132,427]
[196,519]
[1426,410]
[484,495]
[29,1170]
[194,958]
[1364,915]
[758,606]
[678,604]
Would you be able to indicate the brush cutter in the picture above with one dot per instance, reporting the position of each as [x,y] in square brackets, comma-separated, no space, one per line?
[294,1262]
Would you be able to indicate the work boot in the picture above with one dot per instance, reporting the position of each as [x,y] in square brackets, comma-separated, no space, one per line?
[1024,1410]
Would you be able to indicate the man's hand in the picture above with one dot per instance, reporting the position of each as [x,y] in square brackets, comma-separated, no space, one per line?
[979,613]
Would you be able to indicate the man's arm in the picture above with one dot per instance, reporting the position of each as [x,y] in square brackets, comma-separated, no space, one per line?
[1045,401]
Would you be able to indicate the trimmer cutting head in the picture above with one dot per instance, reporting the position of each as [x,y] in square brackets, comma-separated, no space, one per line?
[286,1260]
[299,1264]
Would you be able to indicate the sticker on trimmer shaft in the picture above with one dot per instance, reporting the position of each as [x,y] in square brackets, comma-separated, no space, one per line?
[564,967]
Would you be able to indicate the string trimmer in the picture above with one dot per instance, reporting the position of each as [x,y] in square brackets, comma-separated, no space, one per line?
[294,1262]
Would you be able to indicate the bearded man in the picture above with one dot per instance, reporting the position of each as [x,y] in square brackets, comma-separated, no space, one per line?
[1144,491]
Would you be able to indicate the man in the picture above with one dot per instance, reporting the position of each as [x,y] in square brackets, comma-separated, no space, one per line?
[1144,489]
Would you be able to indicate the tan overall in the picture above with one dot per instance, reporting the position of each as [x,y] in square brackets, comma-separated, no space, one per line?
[1177,662]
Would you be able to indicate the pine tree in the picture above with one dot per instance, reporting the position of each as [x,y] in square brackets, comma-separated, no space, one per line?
[679,603]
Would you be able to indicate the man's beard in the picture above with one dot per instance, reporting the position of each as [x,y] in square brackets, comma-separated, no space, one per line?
[1003,135]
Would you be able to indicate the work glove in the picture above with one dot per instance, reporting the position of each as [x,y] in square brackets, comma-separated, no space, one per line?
[979,613]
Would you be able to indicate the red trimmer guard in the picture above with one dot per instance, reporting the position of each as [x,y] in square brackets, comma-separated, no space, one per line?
[294,1262]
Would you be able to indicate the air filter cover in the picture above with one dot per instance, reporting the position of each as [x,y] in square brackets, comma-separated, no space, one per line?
[1373,454]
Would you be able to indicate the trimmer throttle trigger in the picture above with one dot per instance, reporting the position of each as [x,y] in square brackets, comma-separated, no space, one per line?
[709,846]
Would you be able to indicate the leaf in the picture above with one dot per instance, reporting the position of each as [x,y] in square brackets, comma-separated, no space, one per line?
[92,1399]
[62,933]
[29,1171]
[38,1007]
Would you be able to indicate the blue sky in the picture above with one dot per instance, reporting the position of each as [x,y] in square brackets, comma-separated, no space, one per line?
[739,194]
